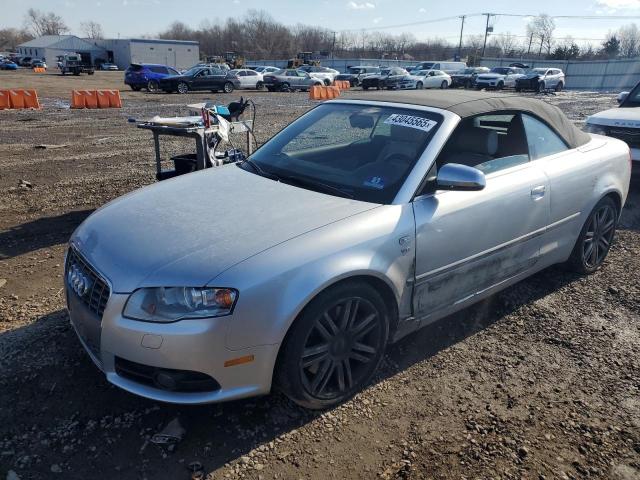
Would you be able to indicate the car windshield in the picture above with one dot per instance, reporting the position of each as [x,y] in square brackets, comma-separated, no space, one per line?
[500,70]
[280,72]
[633,99]
[385,71]
[427,66]
[538,70]
[352,150]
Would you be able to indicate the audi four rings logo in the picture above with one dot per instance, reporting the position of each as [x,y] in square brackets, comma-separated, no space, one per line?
[78,281]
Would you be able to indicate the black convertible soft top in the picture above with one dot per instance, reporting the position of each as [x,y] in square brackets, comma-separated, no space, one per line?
[466,103]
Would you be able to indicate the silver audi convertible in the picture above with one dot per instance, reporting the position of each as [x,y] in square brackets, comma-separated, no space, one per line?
[362,221]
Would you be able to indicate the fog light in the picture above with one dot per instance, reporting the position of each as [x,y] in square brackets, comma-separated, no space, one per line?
[165,380]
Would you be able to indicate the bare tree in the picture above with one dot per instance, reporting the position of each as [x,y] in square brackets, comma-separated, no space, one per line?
[507,43]
[92,29]
[10,38]
[541,29]
[629,37]
[42,23]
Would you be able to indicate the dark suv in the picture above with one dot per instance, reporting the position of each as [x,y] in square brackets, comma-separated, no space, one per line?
[200,78]
[387,78]
[355,74]
[146,75]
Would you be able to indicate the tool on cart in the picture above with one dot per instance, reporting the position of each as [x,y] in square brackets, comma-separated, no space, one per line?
[210,125]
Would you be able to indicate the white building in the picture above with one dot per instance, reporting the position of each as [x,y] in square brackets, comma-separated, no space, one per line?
[174,53]
[49,47]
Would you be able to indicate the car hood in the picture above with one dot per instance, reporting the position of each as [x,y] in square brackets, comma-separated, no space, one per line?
[532,75]
[617,117]
[188,230]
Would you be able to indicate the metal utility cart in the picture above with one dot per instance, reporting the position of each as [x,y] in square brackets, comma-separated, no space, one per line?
[206,140]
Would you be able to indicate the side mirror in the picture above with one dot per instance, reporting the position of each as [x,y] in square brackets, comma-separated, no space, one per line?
[622,96]
[454,176]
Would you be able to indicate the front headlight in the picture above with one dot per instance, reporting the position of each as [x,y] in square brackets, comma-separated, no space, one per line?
[170,304]
[595,128]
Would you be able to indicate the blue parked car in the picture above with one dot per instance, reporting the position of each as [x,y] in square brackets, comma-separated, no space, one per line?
[146,75]
[8,65]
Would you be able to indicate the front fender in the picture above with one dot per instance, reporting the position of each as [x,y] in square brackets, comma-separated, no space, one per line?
[274,286]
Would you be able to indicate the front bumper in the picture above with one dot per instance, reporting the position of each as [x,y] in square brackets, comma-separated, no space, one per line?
[188,345]
[486,83]
[528,84]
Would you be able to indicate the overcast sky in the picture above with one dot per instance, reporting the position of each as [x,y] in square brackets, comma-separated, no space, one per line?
[130,18]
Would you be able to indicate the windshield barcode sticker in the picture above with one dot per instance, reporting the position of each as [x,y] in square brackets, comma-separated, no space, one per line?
[410,121]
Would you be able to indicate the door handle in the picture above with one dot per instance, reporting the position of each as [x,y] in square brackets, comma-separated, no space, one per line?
[538,192]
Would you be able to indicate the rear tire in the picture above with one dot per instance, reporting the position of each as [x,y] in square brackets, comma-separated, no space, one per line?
[365,88]
[541,87]
[260,86]
[153,86]
[334,347]
[271,89]
[500,85]
[228,87]
[444,85]
[285,87]
[419,86]
[327,82]
[595,239]
[559,87]
[135,88]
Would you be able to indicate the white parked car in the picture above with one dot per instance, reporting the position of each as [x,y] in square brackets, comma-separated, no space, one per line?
[249,78]
[541,79]
[447,67]
[108,66]
[622,123]
[425,79]
[499,78]
[327,75]
[265,69]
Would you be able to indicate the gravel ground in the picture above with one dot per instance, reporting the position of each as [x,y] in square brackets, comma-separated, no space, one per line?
[541,381]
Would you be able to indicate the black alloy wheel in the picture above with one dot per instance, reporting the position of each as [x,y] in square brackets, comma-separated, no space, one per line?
[596,237]
[335,346]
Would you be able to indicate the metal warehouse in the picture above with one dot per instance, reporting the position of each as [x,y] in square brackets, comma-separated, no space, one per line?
[122,52]
[175,53]
[49,47]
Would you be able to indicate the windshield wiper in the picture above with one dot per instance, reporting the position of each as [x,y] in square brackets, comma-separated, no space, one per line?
[315,185]
[258,169]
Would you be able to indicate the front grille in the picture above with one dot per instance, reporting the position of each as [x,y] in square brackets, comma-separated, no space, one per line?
[629,135]
[165,378]
[98,293]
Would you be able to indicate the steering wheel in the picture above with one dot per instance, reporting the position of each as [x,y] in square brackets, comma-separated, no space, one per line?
[397,158]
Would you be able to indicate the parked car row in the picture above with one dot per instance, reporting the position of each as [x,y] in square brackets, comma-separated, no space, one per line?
[206,76]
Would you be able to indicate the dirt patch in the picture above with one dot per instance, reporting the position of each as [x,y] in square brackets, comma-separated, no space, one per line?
[540,381]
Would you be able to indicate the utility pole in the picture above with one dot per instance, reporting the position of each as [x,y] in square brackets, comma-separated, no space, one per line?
[530,42]
[486,32]
[333,44]
[460,44]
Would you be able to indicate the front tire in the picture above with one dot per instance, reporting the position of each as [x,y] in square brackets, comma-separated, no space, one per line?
[596,237]
[183,88]
[334,346]
[541,87]
[500,85]
[559,87]
[444,85]
[419,86]
[327,82]
[285,87]
[260,86]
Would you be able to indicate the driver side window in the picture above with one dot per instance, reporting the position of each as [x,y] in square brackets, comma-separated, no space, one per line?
[489,143]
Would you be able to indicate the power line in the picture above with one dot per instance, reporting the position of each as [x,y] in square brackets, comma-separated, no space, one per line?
[521,15]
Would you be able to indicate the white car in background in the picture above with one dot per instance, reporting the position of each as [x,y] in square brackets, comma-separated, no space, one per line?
[499,78]
[249,78]
[622,123]
[425,79]
[265,69]
[327,75]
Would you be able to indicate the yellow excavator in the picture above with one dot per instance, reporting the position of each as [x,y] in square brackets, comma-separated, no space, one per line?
[303,58]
